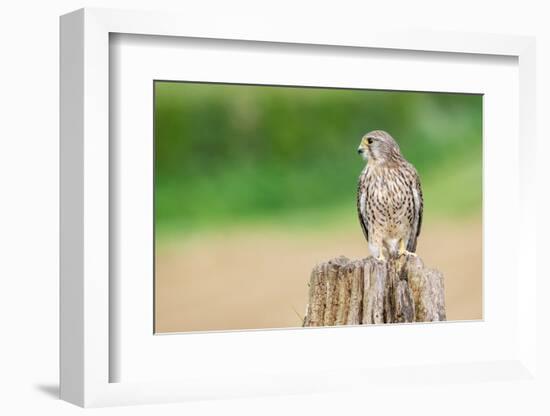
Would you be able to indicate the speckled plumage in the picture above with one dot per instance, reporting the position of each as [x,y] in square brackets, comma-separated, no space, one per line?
[389,197]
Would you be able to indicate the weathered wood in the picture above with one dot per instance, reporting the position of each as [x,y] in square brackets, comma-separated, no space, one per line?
[354,271]
[370,291]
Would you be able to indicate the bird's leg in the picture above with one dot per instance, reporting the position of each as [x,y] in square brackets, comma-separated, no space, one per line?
[403,249]
[377,250]
[381,256]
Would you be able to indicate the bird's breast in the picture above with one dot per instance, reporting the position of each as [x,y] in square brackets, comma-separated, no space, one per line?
[389,194]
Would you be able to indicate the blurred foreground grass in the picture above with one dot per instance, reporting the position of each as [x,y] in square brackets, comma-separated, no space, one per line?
[235,154]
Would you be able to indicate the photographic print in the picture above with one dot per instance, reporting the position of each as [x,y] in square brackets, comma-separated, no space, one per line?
[281,207]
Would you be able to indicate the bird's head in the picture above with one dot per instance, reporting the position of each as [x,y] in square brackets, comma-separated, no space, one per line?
[378,146]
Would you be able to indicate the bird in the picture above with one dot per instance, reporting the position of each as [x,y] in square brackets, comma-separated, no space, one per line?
[389,197]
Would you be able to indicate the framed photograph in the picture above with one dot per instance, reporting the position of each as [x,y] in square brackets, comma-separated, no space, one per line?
[272,212]
[255,184]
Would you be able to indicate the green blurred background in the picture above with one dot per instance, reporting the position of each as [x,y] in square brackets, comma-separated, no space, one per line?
[256,184]
[234,153]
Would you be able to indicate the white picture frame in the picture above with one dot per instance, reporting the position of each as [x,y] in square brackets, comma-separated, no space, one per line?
[89,362]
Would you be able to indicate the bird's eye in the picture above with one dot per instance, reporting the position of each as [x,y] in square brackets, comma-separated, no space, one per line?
[369,140]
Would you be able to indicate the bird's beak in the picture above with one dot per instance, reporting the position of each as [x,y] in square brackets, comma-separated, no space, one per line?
[362,150]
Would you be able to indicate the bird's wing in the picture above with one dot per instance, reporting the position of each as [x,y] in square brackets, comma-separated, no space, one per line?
[361,204]
[418,207]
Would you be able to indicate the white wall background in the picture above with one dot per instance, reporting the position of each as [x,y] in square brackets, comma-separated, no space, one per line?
[29,181]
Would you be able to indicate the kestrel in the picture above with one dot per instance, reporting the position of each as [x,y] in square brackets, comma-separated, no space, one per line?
[389,197]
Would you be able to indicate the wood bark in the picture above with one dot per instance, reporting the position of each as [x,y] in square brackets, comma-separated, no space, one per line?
[370,291]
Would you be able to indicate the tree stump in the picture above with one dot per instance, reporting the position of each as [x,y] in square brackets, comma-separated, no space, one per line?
[369,291]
